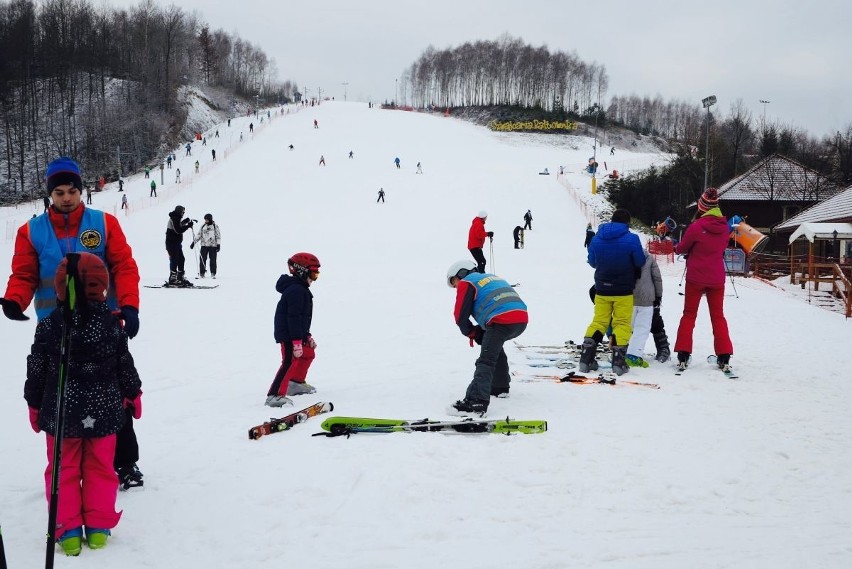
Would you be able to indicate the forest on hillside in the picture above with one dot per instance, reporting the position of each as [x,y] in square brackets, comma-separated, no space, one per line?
[103,84]
[508,72]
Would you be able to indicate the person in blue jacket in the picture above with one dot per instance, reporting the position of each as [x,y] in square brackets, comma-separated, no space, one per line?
[617,257]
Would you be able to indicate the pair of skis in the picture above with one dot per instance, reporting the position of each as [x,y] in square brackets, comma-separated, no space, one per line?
[338,426]
[711,359]
[345,426]
[608,378]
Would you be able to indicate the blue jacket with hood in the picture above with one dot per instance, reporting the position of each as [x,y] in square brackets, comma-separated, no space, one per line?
[617,257]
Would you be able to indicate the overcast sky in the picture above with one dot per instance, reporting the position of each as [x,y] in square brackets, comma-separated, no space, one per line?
[793,53]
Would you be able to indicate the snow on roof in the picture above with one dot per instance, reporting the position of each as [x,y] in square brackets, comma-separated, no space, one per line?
[811,231]
[778,178]
[835,208]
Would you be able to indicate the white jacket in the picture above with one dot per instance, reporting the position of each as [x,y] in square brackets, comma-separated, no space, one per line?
[209,235]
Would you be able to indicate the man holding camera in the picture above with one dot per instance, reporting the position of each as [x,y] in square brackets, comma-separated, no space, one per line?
[175,229]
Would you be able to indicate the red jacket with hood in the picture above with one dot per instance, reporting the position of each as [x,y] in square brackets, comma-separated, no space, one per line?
[476,236]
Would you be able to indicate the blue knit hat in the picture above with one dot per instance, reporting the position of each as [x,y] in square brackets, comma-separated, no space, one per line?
[63,170]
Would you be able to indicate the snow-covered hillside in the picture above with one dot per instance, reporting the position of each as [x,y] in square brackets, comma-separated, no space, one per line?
[704,472]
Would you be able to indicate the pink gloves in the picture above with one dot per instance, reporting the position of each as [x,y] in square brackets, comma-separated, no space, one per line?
[34,419]
[135,404]
[298,351]
[311,342]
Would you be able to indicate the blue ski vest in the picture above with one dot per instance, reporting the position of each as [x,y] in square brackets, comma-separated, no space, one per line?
[91,238]
[494,296]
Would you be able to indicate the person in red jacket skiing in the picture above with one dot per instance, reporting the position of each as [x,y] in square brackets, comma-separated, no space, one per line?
[703,244]
[68,226]
[476,239]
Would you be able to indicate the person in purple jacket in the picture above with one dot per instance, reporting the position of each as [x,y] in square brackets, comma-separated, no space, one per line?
[703,244]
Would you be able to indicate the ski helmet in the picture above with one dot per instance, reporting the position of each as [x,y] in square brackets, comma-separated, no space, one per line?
[93,277]
[303,265]
[482,213]
[460,269]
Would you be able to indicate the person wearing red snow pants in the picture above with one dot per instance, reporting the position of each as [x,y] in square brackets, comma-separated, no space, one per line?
[293,330]
[704,243]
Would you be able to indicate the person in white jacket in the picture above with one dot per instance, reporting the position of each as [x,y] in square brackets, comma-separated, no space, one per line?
[211,242]
[647,296]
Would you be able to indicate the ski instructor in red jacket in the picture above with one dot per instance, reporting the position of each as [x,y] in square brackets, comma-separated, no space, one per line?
[476,240]
[68,226]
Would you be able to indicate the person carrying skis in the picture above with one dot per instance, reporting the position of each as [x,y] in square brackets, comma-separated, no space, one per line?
[175,228]
[647,297]
[704,243]
[211,243]
[41,243]
[293,316]
[102,385]
[476,239]
[500,315]
[616,255]
[528,220]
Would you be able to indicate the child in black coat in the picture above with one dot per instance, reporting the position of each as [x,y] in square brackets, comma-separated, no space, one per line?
[101,381]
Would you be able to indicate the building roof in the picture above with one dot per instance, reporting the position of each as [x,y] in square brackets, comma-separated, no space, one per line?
[811,231]
[778,178]
[835,208]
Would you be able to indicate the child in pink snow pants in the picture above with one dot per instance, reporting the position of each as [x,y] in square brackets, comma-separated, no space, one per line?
[101,382]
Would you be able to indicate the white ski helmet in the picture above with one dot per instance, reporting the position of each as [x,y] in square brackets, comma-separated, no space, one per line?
[483,214]
[460,269]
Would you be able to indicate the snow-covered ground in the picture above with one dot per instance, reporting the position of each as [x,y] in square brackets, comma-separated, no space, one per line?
[704,472]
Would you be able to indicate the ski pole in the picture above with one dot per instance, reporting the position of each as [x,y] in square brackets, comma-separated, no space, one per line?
[2,551]
[491,247]
[197,268]
[69,306]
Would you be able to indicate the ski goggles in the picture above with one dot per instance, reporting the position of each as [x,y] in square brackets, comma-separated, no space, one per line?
[313,273]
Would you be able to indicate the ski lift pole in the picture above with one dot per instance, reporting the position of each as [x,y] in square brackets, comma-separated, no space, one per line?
[70,306]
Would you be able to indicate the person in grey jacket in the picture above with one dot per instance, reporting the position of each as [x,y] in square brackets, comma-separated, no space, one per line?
[211,243]
[647,296]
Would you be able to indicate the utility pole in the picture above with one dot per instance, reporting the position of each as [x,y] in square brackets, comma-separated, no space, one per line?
[344,89]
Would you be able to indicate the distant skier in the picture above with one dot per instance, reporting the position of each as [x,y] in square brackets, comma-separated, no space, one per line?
[322,161]
[381,195]
[124,201]
[518,234]
[396,161]
[612,151]
[188,150]
[197,166]
[351,154]
[476,239]
[153,193]
[528,220]
[290,147]
[46,201]
[177,176]
[316,124]
[251,127]
[589,234]
[213,150]
[121,184]
[419,168]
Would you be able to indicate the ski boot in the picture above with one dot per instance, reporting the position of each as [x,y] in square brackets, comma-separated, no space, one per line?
[300,388]
[129,477]
[182,280]
[469,407]
[71,542]
[682,360]
[664,352]
[724,362]
[278,401]
[635,361]
[619,365]
[97,538]
[587,356]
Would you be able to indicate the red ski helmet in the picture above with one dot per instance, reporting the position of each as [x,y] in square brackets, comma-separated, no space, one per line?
[303,265]
[94,277]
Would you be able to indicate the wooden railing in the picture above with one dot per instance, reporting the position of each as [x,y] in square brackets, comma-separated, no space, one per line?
[803,271]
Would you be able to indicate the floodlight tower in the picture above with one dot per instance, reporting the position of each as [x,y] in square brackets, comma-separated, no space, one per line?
[707,102]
